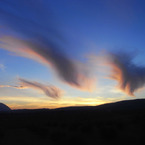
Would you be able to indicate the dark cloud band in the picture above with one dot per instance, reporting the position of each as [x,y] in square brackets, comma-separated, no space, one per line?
[35,37]
[129,76]
[50,90]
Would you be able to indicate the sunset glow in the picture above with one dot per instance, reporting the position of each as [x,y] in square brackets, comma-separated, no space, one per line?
[70,53]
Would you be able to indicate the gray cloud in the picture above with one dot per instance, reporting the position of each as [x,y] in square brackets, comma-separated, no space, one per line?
[2,67]
[11,86]
[36,37]
[129,76]
[49,90]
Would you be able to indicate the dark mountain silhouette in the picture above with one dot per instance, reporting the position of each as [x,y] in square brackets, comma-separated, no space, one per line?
[127,105]
[136,104]
[109,124]
[4,108]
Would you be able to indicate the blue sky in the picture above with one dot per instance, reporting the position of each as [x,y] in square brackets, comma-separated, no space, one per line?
[75,30]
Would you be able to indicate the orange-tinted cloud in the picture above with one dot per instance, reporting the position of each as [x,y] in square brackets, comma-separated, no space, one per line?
[129,76]
[49,90]
[34,36]
[71,72]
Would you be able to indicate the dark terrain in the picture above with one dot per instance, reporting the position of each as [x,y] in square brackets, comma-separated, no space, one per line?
[115,123]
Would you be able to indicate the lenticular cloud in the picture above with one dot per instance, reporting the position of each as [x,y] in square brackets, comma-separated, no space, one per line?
[129,76]
[31,33]
[49,90]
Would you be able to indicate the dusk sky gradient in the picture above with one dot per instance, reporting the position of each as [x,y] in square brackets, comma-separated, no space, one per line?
[57,53]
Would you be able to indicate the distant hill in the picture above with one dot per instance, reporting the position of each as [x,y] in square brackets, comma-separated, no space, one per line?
[125,105]
[136,104]
[4,108]
[109,124]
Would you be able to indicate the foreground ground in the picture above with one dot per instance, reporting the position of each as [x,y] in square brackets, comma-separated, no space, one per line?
[72,126]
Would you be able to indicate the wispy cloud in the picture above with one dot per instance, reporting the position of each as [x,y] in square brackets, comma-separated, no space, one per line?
[11,86]
[2,67]
[36,38]
[129,76]
[49,90]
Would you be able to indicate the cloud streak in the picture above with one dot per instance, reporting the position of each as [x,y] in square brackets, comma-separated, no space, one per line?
[2,67]
[35,38]
[50,90]
[11,86]
[129,76]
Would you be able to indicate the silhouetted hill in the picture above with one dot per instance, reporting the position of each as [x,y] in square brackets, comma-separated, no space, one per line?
[4,108]
[109,124]
[125,105]
[128,105]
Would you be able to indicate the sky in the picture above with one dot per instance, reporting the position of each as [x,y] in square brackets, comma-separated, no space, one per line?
[71,52]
